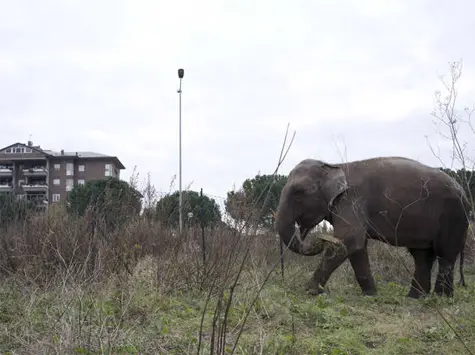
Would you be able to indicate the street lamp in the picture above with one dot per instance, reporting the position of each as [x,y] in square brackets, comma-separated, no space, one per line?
[181,73]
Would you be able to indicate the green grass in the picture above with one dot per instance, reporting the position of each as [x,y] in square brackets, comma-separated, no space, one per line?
[135,316]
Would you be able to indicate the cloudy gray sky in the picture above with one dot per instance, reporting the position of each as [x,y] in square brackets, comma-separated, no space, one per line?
[355,79]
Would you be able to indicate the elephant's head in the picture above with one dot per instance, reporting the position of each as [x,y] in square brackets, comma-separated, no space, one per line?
[311,189]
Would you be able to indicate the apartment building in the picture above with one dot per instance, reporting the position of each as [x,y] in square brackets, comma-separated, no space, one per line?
[46,176]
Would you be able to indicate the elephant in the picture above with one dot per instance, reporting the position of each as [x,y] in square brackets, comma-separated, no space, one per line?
[395,200]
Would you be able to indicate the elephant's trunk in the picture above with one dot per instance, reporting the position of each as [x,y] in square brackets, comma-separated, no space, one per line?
[285,224]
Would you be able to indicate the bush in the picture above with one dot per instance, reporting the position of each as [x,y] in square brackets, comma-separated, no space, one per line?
[13,209]
[110,199]
[205,211]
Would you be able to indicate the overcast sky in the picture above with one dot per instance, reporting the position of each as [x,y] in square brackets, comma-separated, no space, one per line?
[355,79]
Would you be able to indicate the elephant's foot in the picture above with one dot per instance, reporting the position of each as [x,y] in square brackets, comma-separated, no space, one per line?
[442,289]
[367,284]
[416,293]
[314,288]
[370,292]
[419,289]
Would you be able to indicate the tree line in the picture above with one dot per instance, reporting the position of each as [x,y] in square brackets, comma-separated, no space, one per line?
[254,202]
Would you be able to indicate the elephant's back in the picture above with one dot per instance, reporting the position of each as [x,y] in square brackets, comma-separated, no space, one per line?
[401,177]
[405,193]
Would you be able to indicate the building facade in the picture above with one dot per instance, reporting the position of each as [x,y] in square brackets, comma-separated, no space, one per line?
[46,176]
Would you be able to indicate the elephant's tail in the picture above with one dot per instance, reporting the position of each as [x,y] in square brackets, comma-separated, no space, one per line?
[462,278]
[462,258]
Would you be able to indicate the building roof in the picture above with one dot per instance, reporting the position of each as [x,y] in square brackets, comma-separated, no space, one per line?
[77,154]
[63,154]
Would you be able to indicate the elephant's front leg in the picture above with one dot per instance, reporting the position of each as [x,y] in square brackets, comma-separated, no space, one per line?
[333,256]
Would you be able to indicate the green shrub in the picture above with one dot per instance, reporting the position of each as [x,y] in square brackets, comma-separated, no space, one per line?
[105,198]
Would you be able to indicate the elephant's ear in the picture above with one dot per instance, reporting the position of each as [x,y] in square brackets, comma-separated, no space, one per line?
[334,184]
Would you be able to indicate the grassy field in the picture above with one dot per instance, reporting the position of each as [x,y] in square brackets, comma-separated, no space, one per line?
[157,307]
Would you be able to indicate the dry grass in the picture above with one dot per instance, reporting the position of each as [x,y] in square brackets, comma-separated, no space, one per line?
[71,289]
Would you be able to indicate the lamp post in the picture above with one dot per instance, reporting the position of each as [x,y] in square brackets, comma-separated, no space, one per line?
[181,73]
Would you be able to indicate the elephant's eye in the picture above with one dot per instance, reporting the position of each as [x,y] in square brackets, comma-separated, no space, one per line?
[298,191]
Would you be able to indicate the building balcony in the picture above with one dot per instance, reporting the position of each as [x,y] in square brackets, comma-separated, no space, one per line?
[34,187]
[6,188]
[35,171]
[6,172]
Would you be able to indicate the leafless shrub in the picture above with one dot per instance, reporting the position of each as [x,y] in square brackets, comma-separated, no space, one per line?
[451,123]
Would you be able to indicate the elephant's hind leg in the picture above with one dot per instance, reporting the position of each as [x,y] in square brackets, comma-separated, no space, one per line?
[448,245]
[444,284]
[423,261]
[360,264]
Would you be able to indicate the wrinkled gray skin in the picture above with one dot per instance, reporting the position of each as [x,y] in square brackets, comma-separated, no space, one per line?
[395,200]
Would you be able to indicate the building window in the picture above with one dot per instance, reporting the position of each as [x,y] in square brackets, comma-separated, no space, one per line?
[57,167]
[81,168]
[69,184]
[56,181]
[81,182]
[56,197]
[18,149]
[108,170]
[69,169]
